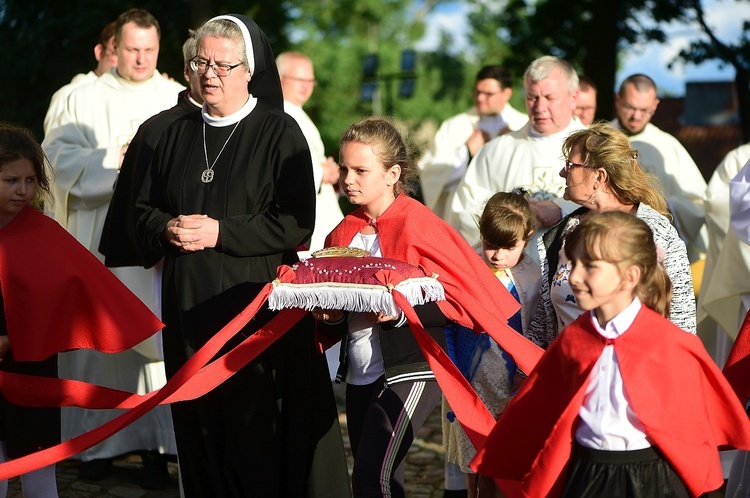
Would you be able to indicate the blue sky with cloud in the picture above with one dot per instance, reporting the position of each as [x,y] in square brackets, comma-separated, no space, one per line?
[725,16]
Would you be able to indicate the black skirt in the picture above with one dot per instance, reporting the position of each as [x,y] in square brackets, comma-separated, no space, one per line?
[25,429]
[632,474]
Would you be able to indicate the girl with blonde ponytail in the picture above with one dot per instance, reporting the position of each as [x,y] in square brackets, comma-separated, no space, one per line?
[625,241]
[623,403]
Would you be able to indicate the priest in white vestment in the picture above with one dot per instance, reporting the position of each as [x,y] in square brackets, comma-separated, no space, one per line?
[86,147]
[725,291]
[663,155]
[460,137]
[530,158]
[297,83]
[106,59]
[725,294]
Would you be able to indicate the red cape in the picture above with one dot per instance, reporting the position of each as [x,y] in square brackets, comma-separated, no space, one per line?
[686,406]
[58,296]
[737,367]
[411,232]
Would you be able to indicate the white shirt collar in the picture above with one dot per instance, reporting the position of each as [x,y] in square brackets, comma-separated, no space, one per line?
[620,323]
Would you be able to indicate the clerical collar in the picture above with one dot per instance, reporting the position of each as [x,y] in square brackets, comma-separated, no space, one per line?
[233,118]
[493,124]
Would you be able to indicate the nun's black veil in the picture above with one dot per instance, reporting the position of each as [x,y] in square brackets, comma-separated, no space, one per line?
[265,84]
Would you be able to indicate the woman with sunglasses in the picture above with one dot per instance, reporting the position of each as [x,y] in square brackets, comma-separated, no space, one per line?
[602,173]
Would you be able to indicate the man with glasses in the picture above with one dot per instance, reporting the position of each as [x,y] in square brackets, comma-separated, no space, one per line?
[86,147]
[460,137]
[663,155]
[530,158]
[297,83]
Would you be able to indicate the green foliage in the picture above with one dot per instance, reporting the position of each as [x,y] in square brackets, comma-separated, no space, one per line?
[727,52]
[338,34]
[564,27]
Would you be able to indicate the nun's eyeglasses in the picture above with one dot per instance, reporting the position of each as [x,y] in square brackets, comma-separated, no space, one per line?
[200,66]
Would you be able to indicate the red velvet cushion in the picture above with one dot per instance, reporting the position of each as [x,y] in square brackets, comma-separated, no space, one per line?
[352,284]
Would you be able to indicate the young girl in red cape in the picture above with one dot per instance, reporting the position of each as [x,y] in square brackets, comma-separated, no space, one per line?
[623,403]
[390,385]
[54,296]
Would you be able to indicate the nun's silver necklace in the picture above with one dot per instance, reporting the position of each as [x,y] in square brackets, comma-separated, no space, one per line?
[208,174]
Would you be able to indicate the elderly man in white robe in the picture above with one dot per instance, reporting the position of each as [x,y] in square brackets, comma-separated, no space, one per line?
[460,137]
[729,292]
[86,147]
[663,155]
[530,158]
[297,83]
[724,296]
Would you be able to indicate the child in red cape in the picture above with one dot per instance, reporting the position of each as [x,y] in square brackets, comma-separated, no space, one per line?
[55,296]
[623,403]
[391,387]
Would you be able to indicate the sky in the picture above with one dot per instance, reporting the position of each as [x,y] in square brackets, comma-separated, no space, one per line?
[724,16]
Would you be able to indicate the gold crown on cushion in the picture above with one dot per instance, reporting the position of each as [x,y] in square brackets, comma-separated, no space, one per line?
[339,251]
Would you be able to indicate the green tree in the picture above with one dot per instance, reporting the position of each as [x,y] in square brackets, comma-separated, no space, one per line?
[735,53]
[337,35]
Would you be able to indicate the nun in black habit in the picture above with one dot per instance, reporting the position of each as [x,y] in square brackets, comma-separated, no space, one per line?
[228,197]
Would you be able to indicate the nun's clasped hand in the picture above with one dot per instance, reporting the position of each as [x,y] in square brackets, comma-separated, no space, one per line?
[193,232]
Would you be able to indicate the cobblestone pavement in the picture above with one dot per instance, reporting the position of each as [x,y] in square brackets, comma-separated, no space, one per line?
[424,472]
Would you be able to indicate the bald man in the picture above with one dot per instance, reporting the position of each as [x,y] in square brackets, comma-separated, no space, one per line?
[663,155]
[297,83]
